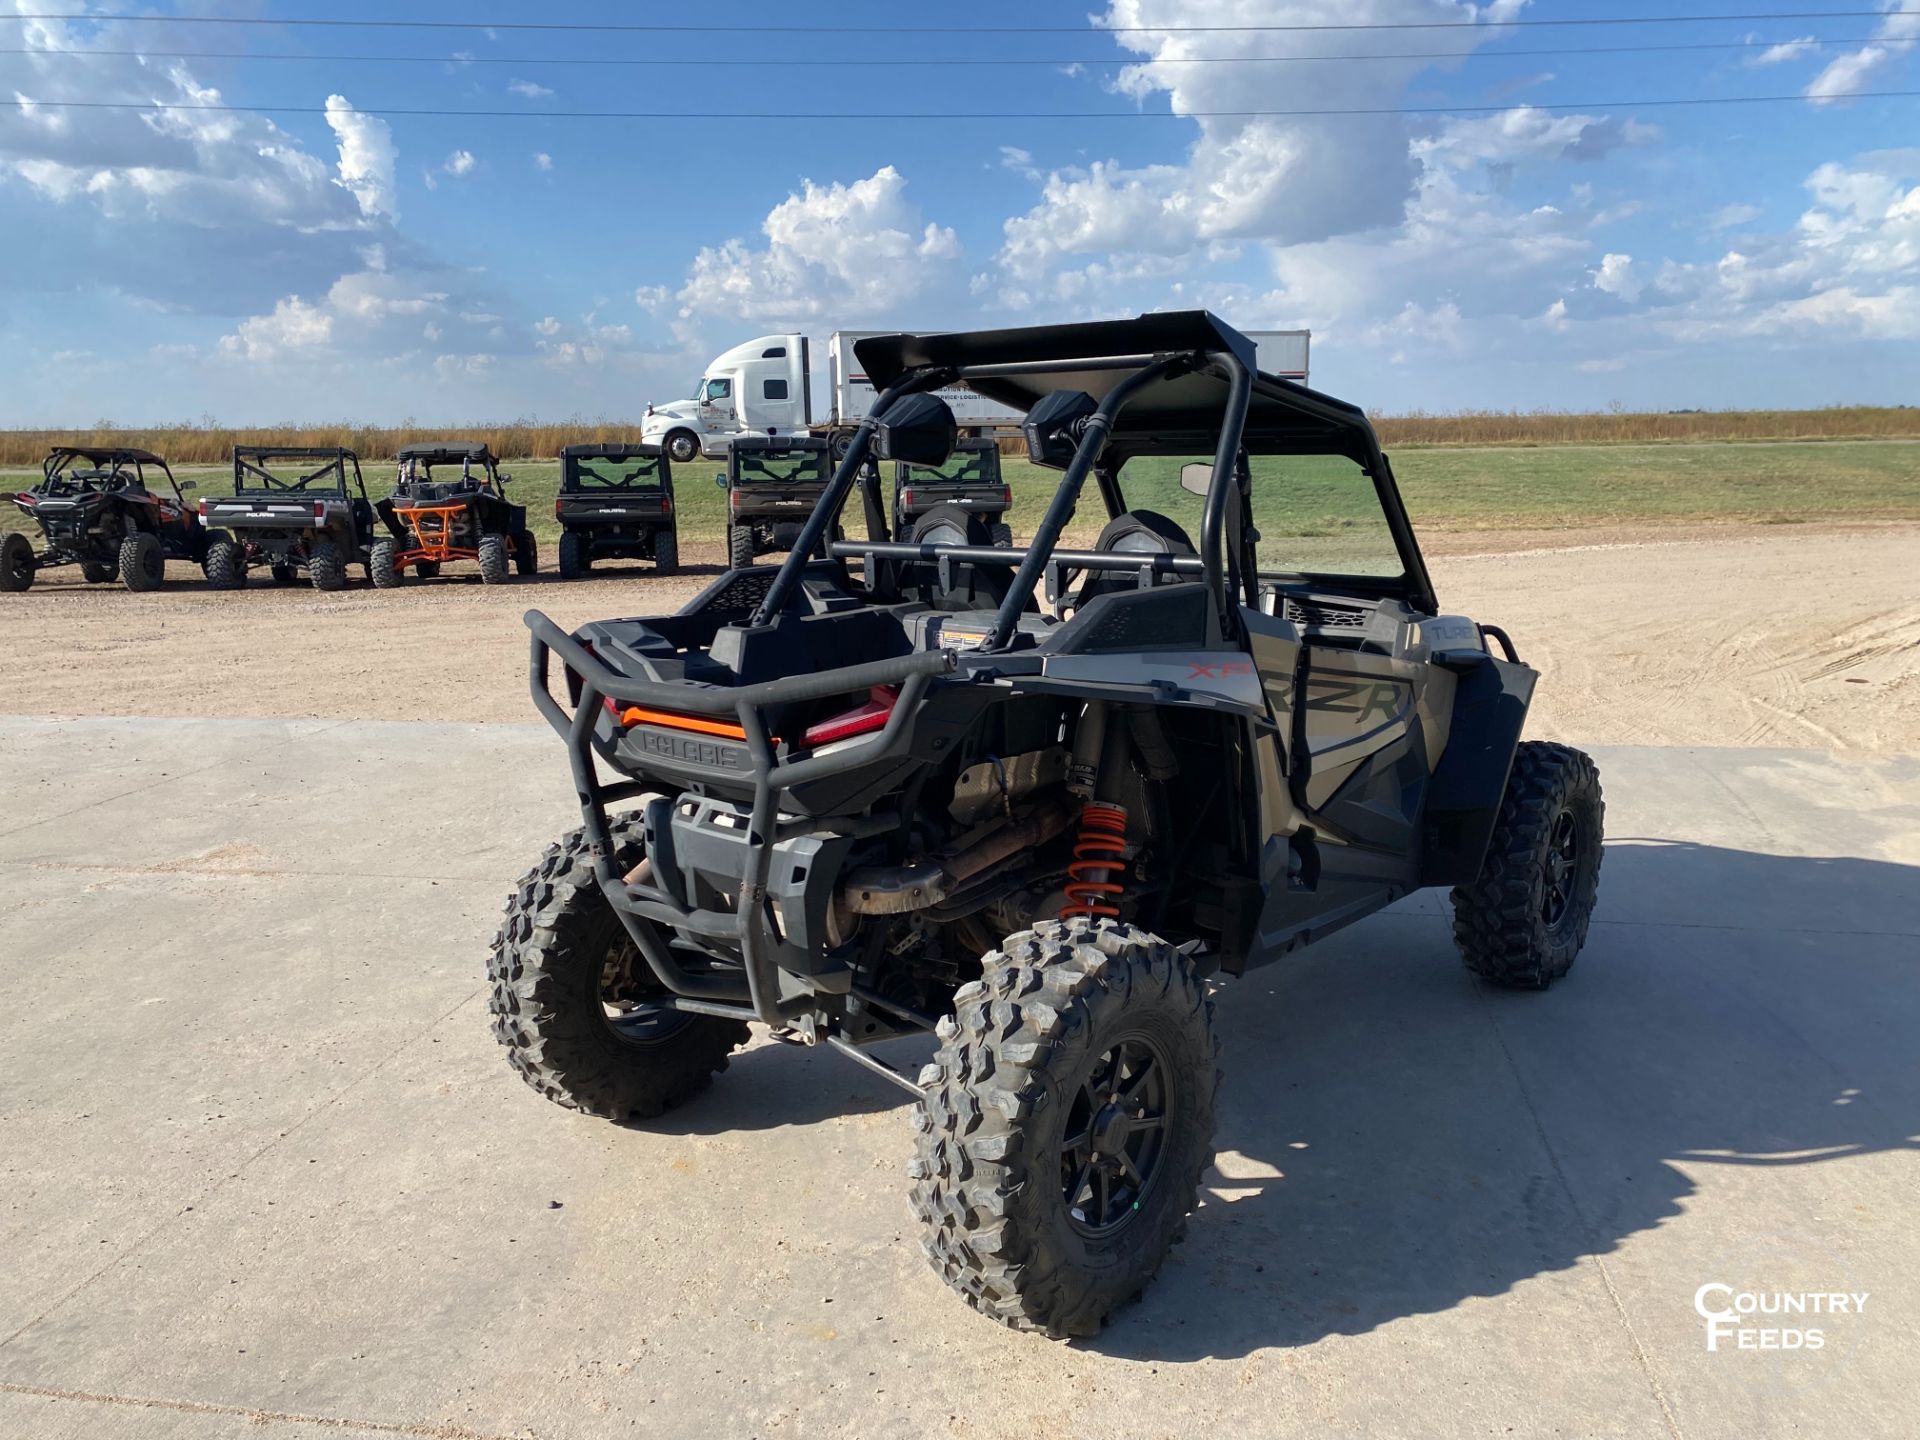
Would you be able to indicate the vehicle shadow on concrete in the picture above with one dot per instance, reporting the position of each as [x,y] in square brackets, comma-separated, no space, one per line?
[771,1087]
[1396,1138]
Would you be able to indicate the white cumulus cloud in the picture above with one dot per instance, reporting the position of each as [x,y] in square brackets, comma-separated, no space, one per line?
[367,157]
[848,251]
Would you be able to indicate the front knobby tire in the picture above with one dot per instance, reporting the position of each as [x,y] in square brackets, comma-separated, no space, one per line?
[143,564]
[381,569]
[327,566]
[1523,921]
[740,546]
[570,992]
[226,565]
[526,553]
[493,559]
[1043,1200]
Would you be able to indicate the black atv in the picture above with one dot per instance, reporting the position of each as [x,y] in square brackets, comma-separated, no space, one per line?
[616,503]
[1037,802]
[293,509]
[969,483]
[449,502]
[96,509]
[772,485]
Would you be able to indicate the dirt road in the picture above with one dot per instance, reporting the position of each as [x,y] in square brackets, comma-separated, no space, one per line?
[1775,636]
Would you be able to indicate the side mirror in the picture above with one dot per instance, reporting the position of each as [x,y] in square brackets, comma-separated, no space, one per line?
[186,485]
[1196,479]
[721,481]
[919,429]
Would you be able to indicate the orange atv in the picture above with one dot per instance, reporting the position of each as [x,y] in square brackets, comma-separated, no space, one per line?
[446,516]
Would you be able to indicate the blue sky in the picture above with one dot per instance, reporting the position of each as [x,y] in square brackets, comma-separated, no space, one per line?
[1589,250]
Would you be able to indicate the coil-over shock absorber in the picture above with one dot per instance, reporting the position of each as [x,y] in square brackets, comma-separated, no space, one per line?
[1099,860]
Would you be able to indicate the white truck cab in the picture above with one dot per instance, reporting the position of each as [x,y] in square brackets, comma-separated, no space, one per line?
[760,388]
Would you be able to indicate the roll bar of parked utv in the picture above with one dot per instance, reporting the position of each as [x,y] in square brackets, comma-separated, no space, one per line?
[642,907]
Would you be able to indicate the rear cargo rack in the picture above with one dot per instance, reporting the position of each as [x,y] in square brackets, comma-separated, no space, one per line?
[644,907]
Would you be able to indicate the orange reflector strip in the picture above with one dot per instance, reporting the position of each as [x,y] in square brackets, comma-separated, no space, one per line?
[634,715]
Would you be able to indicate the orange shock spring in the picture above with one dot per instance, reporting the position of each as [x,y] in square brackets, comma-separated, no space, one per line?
[1099,853]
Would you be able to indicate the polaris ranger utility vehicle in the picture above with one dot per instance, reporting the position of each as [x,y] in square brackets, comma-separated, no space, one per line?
[772,487]
[969,481]
[1035,801]
[449,502]
[96,510]
[292,509]
[616,503]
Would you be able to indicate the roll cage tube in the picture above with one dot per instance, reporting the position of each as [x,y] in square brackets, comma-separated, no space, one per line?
[1226,477]
[1067,496]
[835,496]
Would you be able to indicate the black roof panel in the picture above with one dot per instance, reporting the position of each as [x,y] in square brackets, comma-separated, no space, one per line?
[105,455]
[444,449]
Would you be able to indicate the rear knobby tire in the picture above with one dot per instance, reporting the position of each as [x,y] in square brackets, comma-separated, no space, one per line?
[18,563]
[558,946]
[99,572]
[740,546]
[572,558]
[1007,1095]
[1522,922]
[666,552]
[493,559]
[143,564]
[226,565]
[381,570]
[327,566]
[526,553]
[1000,535]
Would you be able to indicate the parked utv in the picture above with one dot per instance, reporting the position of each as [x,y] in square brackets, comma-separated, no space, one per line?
[1036,801]
[96,510]
[439,513]
[293,509]
[772,487]
[969,482]
[616,503]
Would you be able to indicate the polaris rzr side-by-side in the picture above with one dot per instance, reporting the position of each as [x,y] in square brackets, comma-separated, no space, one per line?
[772,486]
[449,502]
[616,503]
[969,483]
[293,510]
[98,508]
[1038,802]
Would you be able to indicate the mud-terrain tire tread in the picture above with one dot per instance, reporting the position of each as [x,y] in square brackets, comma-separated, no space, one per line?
[381,570]
[526,553]
[1498,926]
[572,556]
[143,563]
[666,553]
[493,559]
[327,566]
[546,1009]
[226,565]
[1000,534]
[17,562]
[740,546]
[1048,1002]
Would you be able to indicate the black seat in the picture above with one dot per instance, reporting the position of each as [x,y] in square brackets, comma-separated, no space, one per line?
[1133,532]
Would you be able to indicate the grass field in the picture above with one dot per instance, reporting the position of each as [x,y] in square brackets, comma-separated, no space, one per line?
[521,439]
[1457,488]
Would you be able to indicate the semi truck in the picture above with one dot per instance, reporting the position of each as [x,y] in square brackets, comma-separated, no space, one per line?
[764,387]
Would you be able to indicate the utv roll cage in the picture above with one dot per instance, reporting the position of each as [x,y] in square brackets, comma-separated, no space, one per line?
[253,469]
[1163,384]
[59,464]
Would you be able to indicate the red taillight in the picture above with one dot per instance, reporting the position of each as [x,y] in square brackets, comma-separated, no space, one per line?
[1006,495]
[906,496]
[25,499]
[861,720]
[666,504]
[203,509]
[319,509]
[733,499]
[556,507]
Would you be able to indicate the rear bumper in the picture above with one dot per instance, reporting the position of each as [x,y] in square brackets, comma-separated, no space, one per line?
[767,865]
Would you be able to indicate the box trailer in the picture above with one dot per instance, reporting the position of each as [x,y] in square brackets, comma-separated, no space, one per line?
[764,387]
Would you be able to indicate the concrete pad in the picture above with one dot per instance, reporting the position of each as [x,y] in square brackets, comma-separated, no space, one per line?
[1437,1210]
